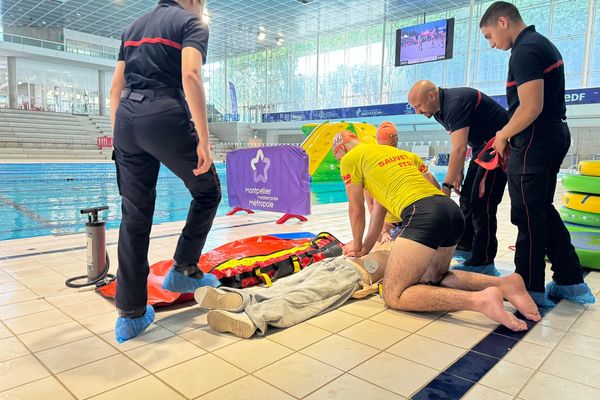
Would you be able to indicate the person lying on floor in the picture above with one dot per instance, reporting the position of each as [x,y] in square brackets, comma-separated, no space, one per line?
[326,285]
[417,276]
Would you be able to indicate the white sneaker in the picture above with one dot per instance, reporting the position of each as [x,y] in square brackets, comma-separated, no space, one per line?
[238,324]
[213,299]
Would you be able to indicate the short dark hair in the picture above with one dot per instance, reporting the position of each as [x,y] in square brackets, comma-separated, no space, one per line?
[500,9]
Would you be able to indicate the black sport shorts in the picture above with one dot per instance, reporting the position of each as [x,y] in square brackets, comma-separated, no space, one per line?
[434,222]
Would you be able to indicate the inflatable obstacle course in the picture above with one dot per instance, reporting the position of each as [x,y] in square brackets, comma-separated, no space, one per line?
[581,209]
[322,165]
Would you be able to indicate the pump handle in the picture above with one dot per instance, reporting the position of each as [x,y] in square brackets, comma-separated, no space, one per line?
[93,210]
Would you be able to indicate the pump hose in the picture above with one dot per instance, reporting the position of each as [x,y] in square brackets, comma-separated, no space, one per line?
[103,279]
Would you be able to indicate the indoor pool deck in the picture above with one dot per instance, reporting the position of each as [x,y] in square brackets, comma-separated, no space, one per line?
[58,343]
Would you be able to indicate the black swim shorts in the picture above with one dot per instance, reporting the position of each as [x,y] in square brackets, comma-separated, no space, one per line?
[434,221]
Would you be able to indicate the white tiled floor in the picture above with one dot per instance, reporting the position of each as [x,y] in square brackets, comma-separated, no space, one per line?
[58,343]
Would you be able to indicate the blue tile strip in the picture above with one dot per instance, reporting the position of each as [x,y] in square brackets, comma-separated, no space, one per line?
[460,377]
[444,386]
[495,345]
[454,382]
[472,366]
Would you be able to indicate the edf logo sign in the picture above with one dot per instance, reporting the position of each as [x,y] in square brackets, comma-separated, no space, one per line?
[574,97]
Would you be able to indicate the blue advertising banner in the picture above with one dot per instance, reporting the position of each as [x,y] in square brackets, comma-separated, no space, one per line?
[572,97]
[270,179]
[233,95]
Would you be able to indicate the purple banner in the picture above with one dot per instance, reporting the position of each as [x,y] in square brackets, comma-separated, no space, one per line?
[270,179]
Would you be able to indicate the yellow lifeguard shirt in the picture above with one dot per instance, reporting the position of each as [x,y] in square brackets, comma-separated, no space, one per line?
[393,177]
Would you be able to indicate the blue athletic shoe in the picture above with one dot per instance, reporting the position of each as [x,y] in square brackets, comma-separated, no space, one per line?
[579,293]
[489,269]
[541,299]
[127,328]
[179,283]
[462,255]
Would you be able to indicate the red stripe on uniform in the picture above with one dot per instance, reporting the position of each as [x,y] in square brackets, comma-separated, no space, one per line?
[478,99]
[554,66]
[166,42]
[550,68]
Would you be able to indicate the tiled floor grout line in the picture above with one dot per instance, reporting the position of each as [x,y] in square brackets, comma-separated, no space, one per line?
[535,371]
[364,318]
[566,332]
[474,383]
[331,333]
[211,352]
[55,376]
[323,362]
[150,373]
[410,334]
[380,351]
[33,354]
[465,323]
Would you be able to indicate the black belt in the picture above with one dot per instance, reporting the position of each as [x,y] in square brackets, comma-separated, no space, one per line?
[139,95]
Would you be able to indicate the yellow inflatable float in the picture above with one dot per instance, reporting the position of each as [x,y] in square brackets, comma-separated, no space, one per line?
[582,202]
[589,168]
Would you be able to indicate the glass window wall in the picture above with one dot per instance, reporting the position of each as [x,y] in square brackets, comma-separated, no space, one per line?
[594,63]
[44,86]
[349,68]
[3,83]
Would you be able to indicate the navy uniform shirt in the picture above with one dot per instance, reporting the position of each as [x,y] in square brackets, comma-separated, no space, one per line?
[151,46]
[533,57]
[462,107]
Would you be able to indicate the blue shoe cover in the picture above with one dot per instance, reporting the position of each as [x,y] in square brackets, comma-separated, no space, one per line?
[579,293]
[489,269]
[127,328]
[179,283]
[462,255]
[541,299]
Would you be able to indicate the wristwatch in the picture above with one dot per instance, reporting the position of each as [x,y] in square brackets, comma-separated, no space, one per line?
[448,186]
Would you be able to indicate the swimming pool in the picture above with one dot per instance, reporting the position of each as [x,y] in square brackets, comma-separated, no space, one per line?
[45,199]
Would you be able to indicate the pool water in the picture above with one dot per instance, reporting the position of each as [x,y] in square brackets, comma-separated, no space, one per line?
[45,199]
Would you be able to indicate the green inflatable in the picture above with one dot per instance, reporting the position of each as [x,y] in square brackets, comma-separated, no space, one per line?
[581,228]
[582,184]
[579,217]
[587,247]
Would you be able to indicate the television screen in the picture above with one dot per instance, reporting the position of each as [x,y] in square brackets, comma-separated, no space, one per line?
[431,41]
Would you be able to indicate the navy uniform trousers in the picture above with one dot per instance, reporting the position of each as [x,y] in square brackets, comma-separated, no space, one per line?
[153,127]
[480,212]
[534,162]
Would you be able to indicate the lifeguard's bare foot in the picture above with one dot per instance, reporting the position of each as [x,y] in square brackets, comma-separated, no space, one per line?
[513,290]
[492,306]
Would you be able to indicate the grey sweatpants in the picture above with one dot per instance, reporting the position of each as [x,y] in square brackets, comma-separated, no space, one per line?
[319,288]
